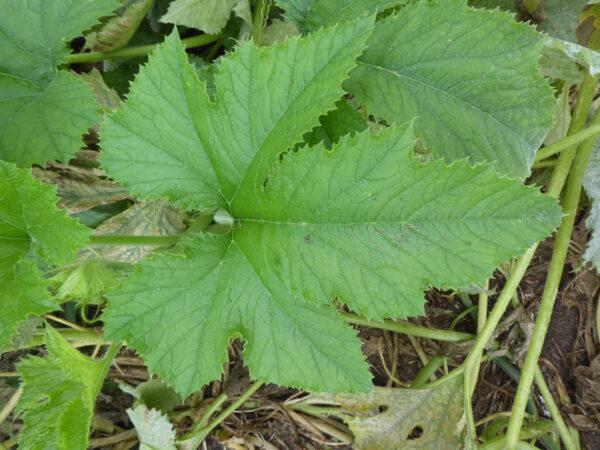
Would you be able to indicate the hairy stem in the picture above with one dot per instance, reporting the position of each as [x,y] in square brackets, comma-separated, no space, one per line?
[559,256]
[131,52]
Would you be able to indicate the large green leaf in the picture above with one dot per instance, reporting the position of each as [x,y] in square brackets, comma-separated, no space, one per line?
[310,15]
[43,112]
[365,222]
[59,394]
[29,222]
[469,76]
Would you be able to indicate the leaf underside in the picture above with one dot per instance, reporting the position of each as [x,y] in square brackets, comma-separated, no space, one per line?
[472,73]
[30,222]
[43,112]
[365,222]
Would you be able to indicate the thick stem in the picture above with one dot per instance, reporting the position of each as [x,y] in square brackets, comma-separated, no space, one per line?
[131,52]
[409,329]
[557,264]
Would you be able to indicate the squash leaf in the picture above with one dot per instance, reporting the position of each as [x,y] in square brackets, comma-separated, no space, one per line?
[470,78]
[59,394]
[30,223]
[364,222]
[43,112]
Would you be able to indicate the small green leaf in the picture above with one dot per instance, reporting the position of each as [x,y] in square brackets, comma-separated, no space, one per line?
[310,15]
[413,418]
[59,394]
[470,78]
[156,394]
[30,222]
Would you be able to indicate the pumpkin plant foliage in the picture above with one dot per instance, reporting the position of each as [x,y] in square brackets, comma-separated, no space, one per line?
[364,222]
[44,111]
[30,223]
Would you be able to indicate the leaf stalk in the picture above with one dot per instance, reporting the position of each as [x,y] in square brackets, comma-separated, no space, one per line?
[132,52]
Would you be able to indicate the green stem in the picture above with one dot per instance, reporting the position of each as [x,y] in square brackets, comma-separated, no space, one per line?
[561,427]
[87,337]
[532,431]
[482,308]
[569,141]
[542,164]
[462,315]
[557,264]
[199,435]
[258,19]
[486,332]
[10,405]
[150,241]
[209,412]
[131,52]
[409,329]
[426,372]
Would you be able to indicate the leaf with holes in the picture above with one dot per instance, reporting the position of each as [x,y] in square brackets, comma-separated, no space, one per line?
[405,418]
[365,222]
